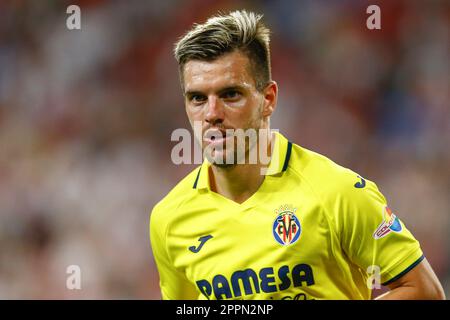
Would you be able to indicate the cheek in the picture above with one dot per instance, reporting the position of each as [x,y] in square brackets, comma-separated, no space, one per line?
[249,106]
[191,117]
[194,114]
[255,109]
[257,115]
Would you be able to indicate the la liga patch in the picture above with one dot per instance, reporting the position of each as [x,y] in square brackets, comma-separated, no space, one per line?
[390,224]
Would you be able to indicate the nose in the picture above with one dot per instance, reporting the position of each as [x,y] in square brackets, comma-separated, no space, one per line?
[214,111]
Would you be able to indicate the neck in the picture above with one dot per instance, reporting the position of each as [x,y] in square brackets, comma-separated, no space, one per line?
[238,182]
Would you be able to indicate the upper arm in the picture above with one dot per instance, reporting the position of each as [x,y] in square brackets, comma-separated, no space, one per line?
[173,282]
[372,235]
[421,281]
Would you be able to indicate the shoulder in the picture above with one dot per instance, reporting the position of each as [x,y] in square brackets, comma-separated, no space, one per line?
[344,196]
[323,174]
[334,185]
[165,210]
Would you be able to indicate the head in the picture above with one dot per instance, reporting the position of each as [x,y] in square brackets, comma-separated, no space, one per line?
[225,75]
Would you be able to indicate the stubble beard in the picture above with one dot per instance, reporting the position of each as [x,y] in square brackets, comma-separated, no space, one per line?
[234,154]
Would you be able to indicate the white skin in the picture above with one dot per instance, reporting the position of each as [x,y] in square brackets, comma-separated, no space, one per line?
[222,95]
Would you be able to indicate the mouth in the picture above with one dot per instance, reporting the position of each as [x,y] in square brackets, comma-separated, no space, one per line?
[215,136]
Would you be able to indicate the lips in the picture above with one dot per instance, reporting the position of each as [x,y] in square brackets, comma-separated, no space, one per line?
[215,136]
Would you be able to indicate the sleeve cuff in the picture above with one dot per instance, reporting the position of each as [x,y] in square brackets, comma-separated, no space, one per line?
[403,268]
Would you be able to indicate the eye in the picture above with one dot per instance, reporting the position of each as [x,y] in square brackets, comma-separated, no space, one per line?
[231,95]
[197,98]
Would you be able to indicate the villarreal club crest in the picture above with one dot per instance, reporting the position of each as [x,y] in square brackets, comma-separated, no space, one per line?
[286,227]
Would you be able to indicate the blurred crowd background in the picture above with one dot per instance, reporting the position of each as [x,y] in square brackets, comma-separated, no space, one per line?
[86,117]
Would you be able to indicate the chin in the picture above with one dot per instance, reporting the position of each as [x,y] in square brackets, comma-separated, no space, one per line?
[220,160]
[224,165]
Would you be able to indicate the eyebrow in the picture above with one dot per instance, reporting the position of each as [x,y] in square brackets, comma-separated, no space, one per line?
[221,91]
[192,93]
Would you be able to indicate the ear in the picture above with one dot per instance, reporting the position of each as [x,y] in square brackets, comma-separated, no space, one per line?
[270,93]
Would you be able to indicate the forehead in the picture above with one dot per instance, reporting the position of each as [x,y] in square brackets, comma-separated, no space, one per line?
[230,69]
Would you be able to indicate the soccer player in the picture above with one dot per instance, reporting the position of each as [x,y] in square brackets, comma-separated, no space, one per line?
[305,229]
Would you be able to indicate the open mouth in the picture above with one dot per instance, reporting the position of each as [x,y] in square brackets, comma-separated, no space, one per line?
[215,136]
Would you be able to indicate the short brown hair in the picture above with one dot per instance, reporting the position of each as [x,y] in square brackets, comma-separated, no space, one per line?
[221,34]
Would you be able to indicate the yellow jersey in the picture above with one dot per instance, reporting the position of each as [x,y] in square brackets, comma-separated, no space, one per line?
[313,230]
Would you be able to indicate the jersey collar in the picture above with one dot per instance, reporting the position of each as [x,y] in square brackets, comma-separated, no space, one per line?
[278,163]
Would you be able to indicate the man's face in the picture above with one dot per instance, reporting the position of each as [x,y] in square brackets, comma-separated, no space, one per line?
[221,94]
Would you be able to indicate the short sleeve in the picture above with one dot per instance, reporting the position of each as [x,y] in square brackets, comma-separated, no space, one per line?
[373,235]
[174,284]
